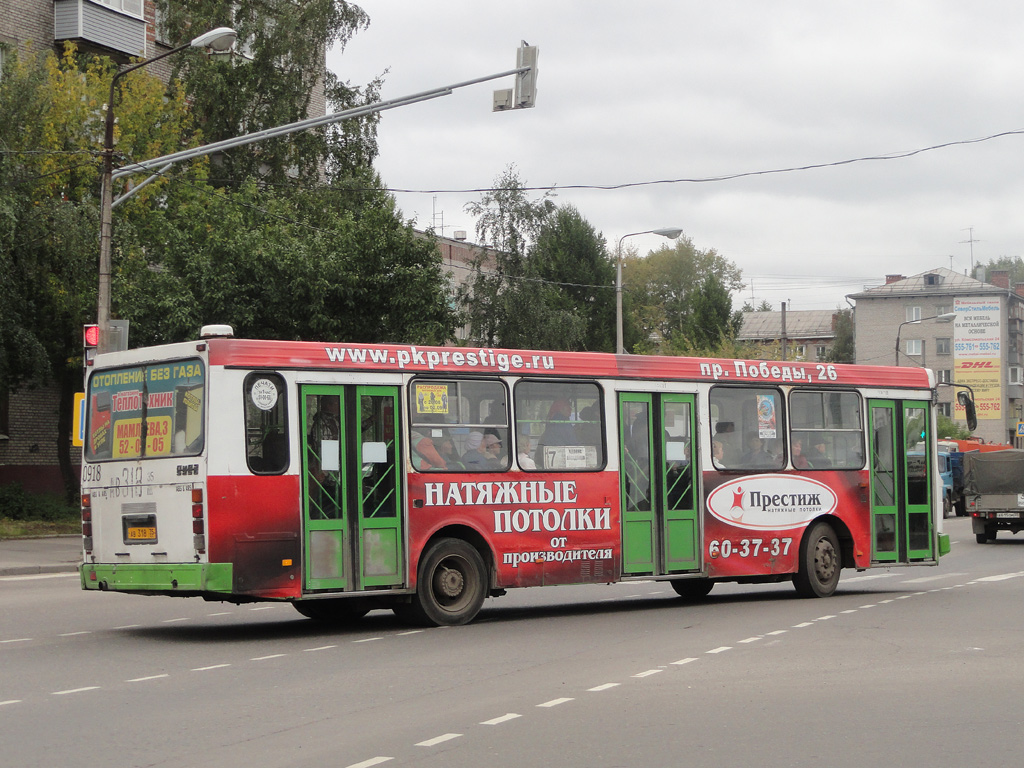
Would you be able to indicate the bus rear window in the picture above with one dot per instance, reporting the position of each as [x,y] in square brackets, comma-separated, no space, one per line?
[146,411]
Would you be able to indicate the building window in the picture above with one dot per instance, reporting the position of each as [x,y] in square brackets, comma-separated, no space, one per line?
[943,346]
[945,376]
[946,410]
[913,313]
[913,346]
[801,352]
[943,310]
[820,351]
[134,7]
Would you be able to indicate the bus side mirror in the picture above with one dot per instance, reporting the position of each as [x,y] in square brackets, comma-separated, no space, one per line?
[968,404]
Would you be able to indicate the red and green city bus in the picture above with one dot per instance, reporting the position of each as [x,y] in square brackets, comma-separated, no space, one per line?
[344,478]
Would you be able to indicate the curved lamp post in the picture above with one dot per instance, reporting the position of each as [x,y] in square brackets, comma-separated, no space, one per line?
[219,39]
[671,233]
[944,318]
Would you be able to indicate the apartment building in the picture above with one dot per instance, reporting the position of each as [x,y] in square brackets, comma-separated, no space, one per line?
[968,330]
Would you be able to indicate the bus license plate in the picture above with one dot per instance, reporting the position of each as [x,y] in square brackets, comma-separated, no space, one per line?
[142,533]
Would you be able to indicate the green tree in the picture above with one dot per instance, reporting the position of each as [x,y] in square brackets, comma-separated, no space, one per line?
[505,303]
[1013,264]
[947,429]
[844,348]
[679,300]
[274,80]
[48,210]
[573,260]
[283,265]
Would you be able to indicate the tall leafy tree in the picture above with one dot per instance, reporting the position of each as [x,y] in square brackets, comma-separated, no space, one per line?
[572,258]
[844,348]
[1013,264]
[679,299]
[504,301]
[48,209]
[278,76]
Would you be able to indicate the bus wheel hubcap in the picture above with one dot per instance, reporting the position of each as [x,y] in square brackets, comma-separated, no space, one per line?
[451,581]
[825,559]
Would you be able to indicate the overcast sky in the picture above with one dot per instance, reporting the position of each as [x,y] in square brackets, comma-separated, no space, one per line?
[650,90]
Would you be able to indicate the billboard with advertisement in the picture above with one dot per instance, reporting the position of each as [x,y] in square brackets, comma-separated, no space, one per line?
[977,354]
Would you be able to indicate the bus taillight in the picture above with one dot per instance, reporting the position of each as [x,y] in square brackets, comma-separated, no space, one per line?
[198,524]
[87,522]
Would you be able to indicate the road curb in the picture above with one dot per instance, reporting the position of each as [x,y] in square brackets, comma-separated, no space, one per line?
[28,570]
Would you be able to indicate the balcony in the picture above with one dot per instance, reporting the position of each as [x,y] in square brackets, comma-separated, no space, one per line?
[117,25]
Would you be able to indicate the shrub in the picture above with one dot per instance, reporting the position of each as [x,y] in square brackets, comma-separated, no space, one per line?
[18,504]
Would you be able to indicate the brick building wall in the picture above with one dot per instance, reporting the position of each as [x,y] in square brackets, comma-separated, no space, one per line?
[27,22]
[28,449]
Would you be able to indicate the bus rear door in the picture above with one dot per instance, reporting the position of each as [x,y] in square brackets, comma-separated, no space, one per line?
[351,488]
[901,497]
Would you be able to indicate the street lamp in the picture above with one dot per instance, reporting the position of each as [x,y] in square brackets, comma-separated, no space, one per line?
[219,39]
[943,318]
[671,233]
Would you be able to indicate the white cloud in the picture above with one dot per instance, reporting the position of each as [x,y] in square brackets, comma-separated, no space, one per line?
[664,89]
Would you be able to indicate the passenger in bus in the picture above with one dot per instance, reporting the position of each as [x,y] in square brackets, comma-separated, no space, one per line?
[446,448]
[819,454]
[725,432]
[494,449]
[588,429]
[525,462]
[756,457]
[559,429]
[425,454]
[718,453]
[799,460]
[473,441]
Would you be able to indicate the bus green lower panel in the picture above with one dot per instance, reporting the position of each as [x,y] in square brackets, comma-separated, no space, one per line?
[944,546]
[167,578]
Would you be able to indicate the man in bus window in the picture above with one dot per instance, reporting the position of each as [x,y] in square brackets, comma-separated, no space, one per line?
[756,456]
[819,454]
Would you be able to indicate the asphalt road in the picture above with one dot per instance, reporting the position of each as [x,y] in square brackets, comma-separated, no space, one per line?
[905,667]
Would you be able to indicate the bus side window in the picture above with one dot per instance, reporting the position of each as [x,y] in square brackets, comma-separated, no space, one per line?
[564,423]
[266,423]
[748,423]
[458,425]
[829,428]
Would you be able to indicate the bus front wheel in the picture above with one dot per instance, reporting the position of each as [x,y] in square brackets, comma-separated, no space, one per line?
[452,584]
[820,562]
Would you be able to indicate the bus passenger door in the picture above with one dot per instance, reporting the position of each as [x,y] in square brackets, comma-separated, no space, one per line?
[901,513]
[657,484]
[379,497]
[351,488]
[678,478]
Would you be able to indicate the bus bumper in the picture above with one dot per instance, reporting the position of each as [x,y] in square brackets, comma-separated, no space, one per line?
[163,578]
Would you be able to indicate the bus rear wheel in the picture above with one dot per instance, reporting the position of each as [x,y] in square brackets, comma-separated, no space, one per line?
[692,589]
[452,584]
[820,562]
[338,611]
